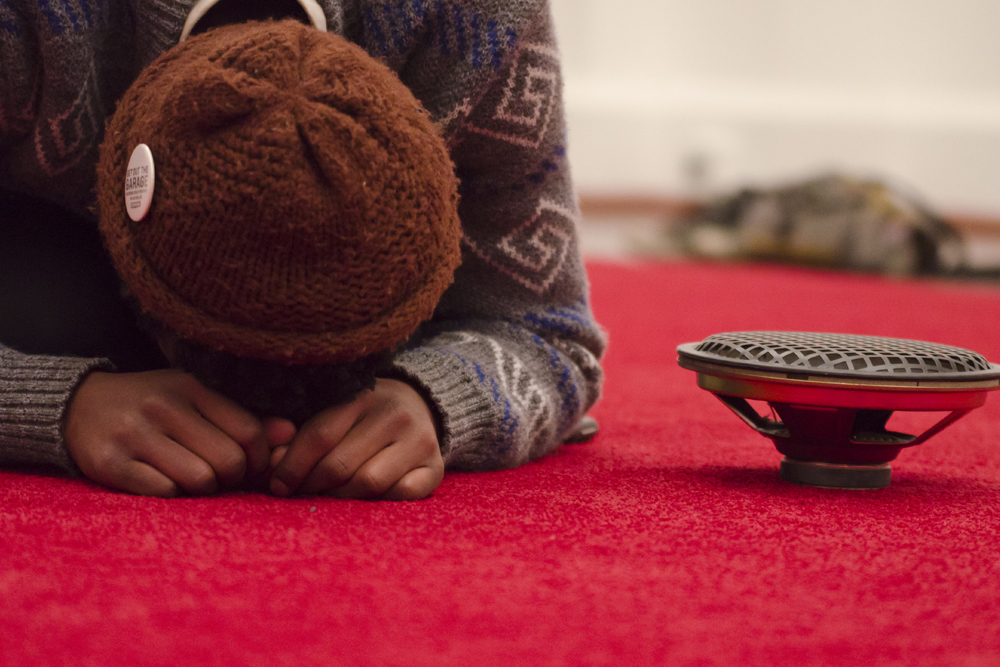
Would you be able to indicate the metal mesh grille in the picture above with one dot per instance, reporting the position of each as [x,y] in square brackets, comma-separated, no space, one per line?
[842,353]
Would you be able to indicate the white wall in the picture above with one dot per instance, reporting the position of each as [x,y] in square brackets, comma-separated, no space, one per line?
[693,97]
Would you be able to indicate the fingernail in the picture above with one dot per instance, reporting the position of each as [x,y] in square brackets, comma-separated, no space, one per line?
[278,487]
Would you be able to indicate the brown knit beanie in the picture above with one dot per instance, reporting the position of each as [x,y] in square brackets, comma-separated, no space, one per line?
[305,207]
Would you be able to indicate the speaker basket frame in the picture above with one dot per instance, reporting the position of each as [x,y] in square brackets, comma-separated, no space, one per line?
[832,425]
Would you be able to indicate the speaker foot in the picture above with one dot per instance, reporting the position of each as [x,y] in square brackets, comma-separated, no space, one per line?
[835,475]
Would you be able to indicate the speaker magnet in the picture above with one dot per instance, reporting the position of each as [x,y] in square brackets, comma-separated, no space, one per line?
[835,475]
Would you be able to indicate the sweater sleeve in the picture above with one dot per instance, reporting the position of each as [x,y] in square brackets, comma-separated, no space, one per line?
[51,108]
[511,358]
[35,391]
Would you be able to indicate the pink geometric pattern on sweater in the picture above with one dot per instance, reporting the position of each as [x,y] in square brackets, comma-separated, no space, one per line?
[19,122]
[535,252]
[530,94]
[67,137]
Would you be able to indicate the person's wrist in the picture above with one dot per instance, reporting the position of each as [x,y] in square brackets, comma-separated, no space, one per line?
[432,407]
[71,415]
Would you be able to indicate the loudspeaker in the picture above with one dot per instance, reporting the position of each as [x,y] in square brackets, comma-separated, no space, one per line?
[834,393]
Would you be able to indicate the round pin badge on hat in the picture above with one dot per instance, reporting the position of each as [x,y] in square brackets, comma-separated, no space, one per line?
[833,395]
[140,179]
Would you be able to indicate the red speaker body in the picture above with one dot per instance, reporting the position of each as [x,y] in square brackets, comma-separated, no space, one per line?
[833,395]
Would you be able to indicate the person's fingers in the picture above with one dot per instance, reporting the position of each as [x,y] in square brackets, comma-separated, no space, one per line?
[143,479]
[200,437]
[188,470]
[167,419]
[314,440]
[113,468]
[237,424]
[277,454]
[279,431]
[382,470]
[365,440]
[416,484]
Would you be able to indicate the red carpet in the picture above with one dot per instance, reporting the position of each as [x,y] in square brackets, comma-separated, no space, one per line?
[668,540]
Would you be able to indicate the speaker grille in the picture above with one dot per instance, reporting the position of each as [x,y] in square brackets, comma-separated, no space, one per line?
[843,355]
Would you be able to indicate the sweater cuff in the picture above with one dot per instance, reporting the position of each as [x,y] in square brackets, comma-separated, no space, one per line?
[466,412]
[35,391]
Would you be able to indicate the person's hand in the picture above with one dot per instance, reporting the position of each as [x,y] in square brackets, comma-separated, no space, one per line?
[161,433]
[383,444]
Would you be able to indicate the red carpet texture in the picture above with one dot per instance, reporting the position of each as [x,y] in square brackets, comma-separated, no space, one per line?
[667,540]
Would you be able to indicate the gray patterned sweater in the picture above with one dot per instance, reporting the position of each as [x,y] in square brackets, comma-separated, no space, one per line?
[510,359]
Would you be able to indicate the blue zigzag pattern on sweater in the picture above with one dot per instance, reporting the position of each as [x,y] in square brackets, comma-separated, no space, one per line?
[567,388]
[566,320]
[394,25]
[61,15]
[573,320]
[7,23]
[509,422]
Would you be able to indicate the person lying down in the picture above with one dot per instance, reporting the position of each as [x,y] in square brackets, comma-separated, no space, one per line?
[286,222]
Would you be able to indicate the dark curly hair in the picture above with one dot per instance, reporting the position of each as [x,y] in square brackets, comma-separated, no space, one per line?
[268,388]
[273,389]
